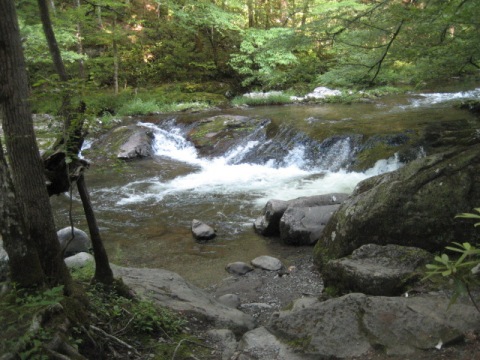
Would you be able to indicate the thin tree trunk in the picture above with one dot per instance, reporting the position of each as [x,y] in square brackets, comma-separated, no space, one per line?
[81,65]
[115,57]
[25,162]
[103,272]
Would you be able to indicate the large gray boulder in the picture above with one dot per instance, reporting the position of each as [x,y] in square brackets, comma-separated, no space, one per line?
[268,224]
[172,291]
[413,206]
[304,225]
[377,270]
[137,145]
[356,324]
[74,243]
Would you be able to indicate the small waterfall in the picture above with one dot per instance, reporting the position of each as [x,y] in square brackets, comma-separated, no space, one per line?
[286,166]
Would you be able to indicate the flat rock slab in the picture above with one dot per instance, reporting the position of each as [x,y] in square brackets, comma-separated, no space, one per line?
[172,291]
[377,270]
[357,324]
[266,262]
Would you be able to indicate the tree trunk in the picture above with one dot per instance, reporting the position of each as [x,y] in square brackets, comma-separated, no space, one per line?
[25,163]
[25,267]
[103,272]
[115,58]
[81,65]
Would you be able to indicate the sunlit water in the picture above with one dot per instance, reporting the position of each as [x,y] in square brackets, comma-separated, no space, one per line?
[145,208]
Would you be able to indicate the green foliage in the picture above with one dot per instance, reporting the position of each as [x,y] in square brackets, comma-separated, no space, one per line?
[273,98]
[463,269]
[21,332]
[131,316]
[263,59]
[138,107]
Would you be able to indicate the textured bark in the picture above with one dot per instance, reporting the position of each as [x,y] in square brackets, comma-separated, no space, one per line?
[19,247]
[24,159]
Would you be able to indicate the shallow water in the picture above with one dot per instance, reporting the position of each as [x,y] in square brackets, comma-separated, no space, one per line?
[145,208]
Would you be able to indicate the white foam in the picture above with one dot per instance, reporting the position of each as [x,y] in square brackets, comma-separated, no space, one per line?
[224,176]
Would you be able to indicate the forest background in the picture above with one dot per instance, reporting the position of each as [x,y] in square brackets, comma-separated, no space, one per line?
[158,53]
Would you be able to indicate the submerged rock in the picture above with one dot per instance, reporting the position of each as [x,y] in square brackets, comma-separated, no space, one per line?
[377,270]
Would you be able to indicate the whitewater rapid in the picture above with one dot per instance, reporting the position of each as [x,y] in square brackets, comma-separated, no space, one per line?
[228,176]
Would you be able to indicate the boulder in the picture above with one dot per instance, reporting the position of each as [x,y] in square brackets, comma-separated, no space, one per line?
[304,225]
[260,344]
[357,324]
[238,268]
[225,342]
[413,206]
[377,270]
[80,242]
[172,291]
[266,262]
[202,231]
[269,223]
[230,300]
[122,142]
[137,145]
[78,260]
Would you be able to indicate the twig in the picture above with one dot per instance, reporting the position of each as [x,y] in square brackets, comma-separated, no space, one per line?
[114,338]
[191,342]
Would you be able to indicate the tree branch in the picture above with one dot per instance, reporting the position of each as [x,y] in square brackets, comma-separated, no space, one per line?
[379,63]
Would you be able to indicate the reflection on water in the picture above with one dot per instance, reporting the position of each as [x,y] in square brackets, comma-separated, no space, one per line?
[145,209]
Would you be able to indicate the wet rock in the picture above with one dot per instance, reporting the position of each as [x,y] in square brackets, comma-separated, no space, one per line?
[73,244]
[172,291]
[413,206]
[225,342]
[78,260]
[377,270]
[266,262]
[304,225]
[231,300]
[138,145]
[238,268]
[269,223]
[202,231]
[356,324]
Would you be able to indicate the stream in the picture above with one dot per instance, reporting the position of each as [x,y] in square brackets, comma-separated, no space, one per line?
[145,208]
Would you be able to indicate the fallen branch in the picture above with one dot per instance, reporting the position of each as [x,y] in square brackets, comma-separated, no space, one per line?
[115,339]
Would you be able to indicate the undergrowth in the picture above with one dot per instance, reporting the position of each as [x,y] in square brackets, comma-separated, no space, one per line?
[112,325]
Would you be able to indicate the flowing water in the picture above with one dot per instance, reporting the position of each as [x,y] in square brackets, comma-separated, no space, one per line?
[145,208]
